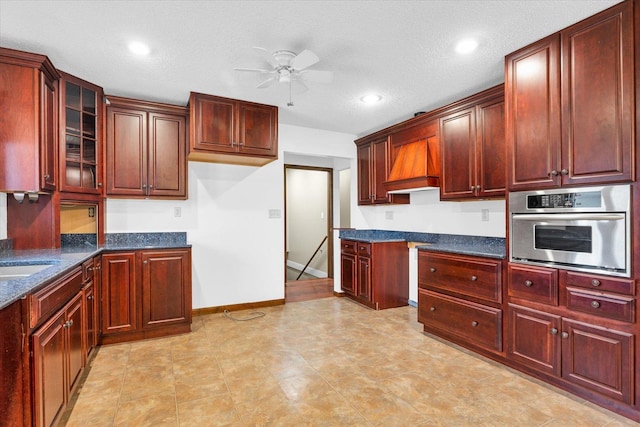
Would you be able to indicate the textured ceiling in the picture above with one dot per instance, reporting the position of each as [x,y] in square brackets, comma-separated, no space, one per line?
[402,50]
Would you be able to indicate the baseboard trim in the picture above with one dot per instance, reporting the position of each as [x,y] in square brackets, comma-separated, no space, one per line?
[338,294]
[311,271]
[237,307]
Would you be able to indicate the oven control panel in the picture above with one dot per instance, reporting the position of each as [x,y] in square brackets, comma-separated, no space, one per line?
[582,199]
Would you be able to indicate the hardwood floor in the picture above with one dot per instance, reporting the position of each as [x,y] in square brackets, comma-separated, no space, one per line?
[304,290]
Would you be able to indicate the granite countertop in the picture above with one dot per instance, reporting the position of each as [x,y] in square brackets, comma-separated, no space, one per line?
[491,247]
[66,259]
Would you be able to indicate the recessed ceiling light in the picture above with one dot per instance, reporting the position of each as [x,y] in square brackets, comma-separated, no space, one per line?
[466,46]
[371,99]
[139,48]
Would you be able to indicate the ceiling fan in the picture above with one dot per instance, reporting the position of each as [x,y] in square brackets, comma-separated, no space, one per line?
[289,68]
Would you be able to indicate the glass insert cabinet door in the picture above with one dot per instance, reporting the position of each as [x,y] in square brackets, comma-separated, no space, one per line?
[80,151]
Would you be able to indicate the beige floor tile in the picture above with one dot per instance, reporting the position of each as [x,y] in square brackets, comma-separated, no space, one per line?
[192,390]
[147,380]
[216,410]
[158,410]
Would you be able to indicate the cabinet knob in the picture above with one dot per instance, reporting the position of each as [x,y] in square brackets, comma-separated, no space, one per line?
[595,282]
[474,323]
[564,171]
[565,335]
[99,185]
[47,176]
[554,331]
[90,297]
[144,186]
[595,304]
[478,187]
[150,186]
[528,283]
[553,173]
[474,278]
[145,261]
[432,309]
[432,269]
[473,187]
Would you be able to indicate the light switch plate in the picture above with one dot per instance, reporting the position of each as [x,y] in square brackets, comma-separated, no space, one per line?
[275,213]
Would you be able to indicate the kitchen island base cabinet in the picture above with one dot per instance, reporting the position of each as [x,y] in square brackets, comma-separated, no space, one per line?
[145,294]
[375,274]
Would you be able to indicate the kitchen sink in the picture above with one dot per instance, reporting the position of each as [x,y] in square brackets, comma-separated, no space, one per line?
[11,272]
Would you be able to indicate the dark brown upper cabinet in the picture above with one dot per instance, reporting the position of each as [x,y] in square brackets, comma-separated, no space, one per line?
[373,170]
[28,123]
[231,131]
[146,149]
[80,136]
[473,148]
[569,105]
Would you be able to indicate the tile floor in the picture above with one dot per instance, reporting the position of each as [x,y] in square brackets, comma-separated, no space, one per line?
[326,362]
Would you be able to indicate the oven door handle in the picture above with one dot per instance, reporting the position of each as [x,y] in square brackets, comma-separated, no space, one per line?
[569,217]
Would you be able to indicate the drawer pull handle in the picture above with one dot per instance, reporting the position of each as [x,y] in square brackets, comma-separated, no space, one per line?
[474,278]
[528,283]
[595,304]
[554,331]
[565,335]
[432,308]
[595,282]
[433,270]
[474,323]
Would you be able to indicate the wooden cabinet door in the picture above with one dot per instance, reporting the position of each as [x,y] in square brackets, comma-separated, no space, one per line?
[90,319]
[380,170]
[126,152]
[533,339]
[491,149]
[213,127]
[75,330]
[49,394]
[532,102]
[166,296]
[118,293]
[48,133]
[458,153]
[599,359]
[598,98]
[365,183]
[13,403]
[348,278]
[167,150]
[257,129]
[364,279]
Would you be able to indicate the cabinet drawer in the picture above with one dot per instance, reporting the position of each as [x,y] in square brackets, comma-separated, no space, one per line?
[474,323]
[605,305]
[533,283]
[600,283]
[470,276]
[87,270]
[364,249]
[47,300]
[348,246]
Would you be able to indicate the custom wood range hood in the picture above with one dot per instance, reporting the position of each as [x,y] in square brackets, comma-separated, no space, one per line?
[415,153]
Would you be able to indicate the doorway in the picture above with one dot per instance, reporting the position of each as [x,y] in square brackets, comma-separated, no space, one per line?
[308,225]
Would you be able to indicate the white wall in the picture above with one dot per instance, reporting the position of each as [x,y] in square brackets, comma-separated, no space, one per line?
[3,216]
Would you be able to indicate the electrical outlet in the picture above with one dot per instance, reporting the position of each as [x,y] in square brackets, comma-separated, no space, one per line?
[388,215]
[484,214]
[274,213]
[177,212]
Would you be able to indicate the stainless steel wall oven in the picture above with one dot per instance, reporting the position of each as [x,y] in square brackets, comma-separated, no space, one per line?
[584,229]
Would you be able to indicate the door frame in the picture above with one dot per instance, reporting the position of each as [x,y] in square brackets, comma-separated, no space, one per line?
[329,215]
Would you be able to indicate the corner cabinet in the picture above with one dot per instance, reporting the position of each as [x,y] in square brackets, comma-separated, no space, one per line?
[375,274]
[28,123]
[554,126]
[473,148]
[374,159]
[144,294]
[146,149]
[225,130]
[81,118]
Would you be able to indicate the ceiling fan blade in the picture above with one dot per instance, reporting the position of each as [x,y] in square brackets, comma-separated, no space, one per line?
[255,70]
[304,59]
[317,76]
[267,83]
[266,55]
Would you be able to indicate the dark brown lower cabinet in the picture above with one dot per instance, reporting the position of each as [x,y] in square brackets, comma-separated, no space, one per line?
[145,293]
[595,358]
[13,406]
[58,360]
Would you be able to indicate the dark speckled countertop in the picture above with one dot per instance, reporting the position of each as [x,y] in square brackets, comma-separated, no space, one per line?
[67,258]
[492,247]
